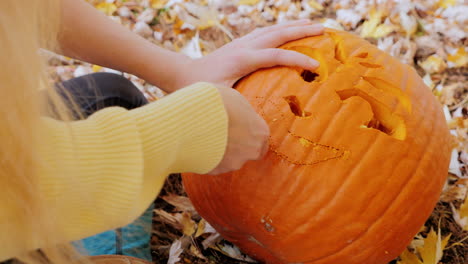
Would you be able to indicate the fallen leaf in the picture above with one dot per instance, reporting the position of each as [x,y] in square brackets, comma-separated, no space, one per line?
[461,221]
[409,258]
[464,214]
[446,3]
[188,225]
[182,221]
[316,5]
[175,251]
[373,28]
[96,68]
[211,240]
[204,228]
[455,191]
[201,17]
[233,252]
[434,245]
[430,252]
[458,59]
[433,64]
[192,48]
[158,4]
[247,2]
[181,203]
[107,8]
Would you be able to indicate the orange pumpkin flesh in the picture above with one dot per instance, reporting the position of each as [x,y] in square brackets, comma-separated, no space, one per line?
[359,152]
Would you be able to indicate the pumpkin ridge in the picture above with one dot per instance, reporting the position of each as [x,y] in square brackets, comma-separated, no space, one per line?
[380,217]
[329,201]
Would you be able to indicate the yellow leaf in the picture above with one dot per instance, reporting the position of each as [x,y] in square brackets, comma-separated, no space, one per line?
[446,3]
[96,68]
[433,64]
[200,228]
[314,4]
[464,211]
[158,4]
[459,58]
[409,258]
[373,28]
[432,250]
[188,225]
[247,2]
[107,8]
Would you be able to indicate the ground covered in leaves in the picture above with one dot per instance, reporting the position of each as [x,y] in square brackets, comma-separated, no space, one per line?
[430,35]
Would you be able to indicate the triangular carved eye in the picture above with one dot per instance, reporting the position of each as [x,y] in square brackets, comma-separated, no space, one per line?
[295,106]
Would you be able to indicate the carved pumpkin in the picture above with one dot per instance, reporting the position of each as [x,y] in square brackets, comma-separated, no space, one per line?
[359,152]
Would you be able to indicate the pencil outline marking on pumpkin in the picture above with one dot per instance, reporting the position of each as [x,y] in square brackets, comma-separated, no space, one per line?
[335,152]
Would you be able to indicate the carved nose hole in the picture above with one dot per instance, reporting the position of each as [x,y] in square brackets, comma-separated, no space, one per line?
[295,106]
[309,76]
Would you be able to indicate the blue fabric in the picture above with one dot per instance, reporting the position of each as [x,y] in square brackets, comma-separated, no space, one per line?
[131,240]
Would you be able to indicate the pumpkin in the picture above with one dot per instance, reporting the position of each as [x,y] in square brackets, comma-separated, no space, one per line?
[359,152]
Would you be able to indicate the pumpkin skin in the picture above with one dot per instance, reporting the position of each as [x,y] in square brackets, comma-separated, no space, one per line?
[358,157]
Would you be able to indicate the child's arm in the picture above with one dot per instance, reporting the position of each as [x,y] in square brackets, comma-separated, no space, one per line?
[89,35]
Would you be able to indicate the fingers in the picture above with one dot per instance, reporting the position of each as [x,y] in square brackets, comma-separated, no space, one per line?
[276,38]
[264,30]
[272,57]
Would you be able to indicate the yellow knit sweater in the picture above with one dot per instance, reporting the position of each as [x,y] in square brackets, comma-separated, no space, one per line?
[103,172]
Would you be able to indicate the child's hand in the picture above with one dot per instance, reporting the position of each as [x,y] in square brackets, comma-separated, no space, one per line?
[253,51]
[248,133]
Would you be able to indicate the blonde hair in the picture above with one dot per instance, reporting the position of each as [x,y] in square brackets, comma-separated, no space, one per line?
[25,27]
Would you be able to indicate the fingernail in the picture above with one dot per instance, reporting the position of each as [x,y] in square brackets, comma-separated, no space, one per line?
[314,63]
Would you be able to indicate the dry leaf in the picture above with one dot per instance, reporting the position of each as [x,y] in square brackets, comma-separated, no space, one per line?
[446,3]
[181,203]
[211,240]
[433,64]
[458,59]
[233,252]
[456,191]
[192,48]
[430,252]
[201,17]
[107,8]
[158,4]
[373,28]
[409,258]
[461,221]
[247,2]
[316,5]
[175,251]
[188,225]
[464,214]
[182,221]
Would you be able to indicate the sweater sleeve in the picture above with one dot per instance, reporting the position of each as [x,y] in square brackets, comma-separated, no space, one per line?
[103,172]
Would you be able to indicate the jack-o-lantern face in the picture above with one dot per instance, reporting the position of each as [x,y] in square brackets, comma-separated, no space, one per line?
[358,155]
